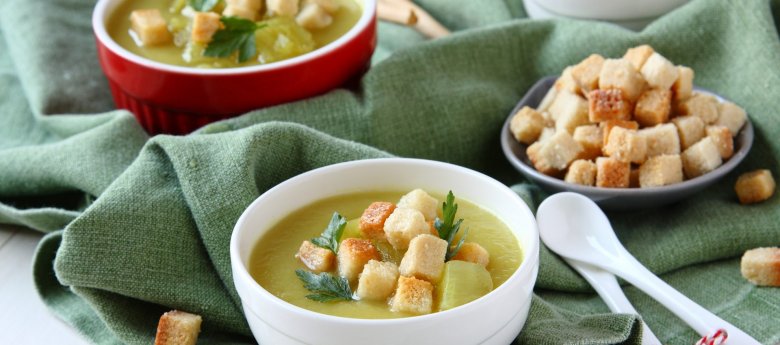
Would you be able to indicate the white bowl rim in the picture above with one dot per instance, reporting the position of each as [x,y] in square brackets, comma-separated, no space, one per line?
[530,251]
[100,16]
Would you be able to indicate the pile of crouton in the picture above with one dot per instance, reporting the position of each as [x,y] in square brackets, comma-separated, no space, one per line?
[629,122]
[408,227]
[151,28]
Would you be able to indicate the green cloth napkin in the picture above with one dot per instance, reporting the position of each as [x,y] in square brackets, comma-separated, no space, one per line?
[138,226]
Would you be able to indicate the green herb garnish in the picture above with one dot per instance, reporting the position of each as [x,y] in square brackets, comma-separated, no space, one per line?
[238,34]
[203,5]
[325,286]
[330,238]
[448,227]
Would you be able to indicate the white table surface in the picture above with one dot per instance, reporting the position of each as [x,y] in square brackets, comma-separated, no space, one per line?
[24,319]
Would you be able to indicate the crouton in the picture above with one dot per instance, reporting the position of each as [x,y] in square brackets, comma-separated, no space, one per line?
[659,72]
[731,116]
[590,138]
[761,266]
[353,254]
[404,224]
[683,86]
[569,111]
[701,158]
[254,5]
[606,127]
[723,140]
[581,172]
[526,125]
[626,145]
[421,201]
[547,133]
[755,186]
[548,99]
[620,74]
[701,105]
[586,73]
[204,25]
[377,281]
[660,171]
[413,296]
[653,107]
[473,252]
[566,82]
[178,328]
[240,12]
[690,130]
[553,155]
[282,7]
[425,258]
[331,6]
[313,17]
[372,221]
[150,27]
[608,104]
[612,173]
[661,139]
[316,258]
[638,55]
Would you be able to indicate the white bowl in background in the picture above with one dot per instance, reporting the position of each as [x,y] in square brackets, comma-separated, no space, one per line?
[632,14]
[495,318]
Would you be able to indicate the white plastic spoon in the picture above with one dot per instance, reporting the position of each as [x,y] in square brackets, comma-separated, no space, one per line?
[607,287]
[574,227]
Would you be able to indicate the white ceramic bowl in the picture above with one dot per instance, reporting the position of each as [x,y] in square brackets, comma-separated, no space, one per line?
[495,318]
[633,14]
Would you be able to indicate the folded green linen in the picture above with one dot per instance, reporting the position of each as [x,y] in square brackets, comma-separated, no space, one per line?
[147,221]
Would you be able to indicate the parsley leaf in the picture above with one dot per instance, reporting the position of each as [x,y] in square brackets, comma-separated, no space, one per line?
[203,5]
[237,34]
[448,227]
[325,286]
[332,235]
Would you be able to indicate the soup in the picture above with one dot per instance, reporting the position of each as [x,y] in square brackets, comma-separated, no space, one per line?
[172,32]
[273,263]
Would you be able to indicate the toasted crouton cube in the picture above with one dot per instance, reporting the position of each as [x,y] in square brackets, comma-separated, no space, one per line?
[526,125]
[313,17]
[566,82]
[683,86]
[547,133]
[586,73]
[316,258]
[425,258]
[653,107]
[607,126]
[761,266]
[377,282]
[254,5]
[240,12]
[620,74]
[608,104]
[421,201]
[612,173]
[413,296]
[690,129]
[661,140]
[553,155]
[723,140]
[569,111]
[731,116]
[701,105]
[282,7]
[331,6]
[150,27]
[353,254]
[659,72]
[372,221]
[701,158]
[638,55]
[178,328]
[626,145]
[660,171]
[473,252]
[547,101]
[581,172]
[204,25]
[591,140]
[755,186]
[403,225]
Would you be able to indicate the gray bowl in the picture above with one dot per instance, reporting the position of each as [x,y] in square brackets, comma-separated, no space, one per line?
[616,198]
